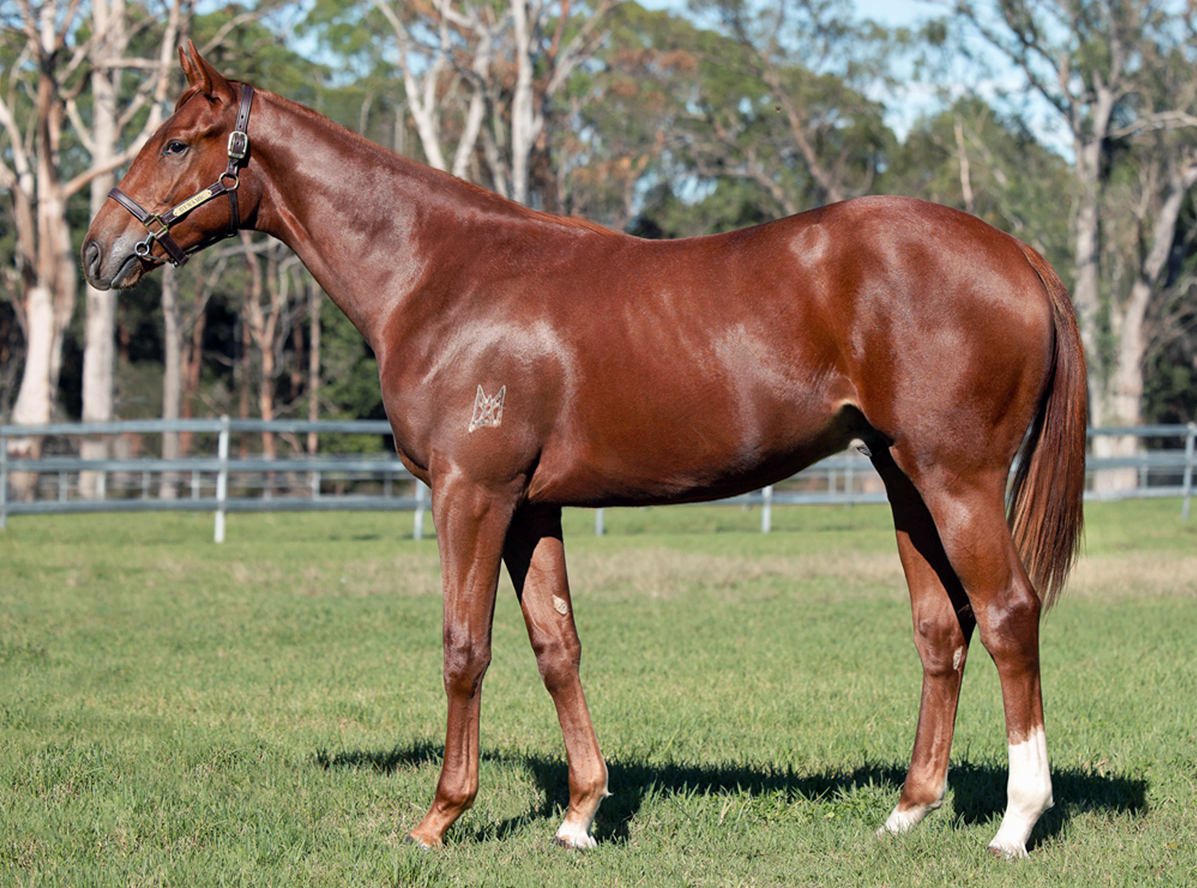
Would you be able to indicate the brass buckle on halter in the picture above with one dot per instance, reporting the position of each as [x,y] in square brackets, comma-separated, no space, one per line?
[238,145]
[142,248]
[153,219]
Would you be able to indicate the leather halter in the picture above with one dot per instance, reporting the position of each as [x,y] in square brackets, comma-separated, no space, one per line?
[158,226]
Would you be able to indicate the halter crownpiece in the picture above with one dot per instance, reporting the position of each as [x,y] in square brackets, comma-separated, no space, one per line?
[157,225]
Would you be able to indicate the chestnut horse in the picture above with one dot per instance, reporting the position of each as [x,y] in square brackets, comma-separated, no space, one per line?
[530,362]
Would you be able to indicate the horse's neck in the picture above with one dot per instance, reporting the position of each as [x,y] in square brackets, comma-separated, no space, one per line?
[367,223]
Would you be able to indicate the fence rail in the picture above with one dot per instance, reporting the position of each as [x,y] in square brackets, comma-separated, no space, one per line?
[242,482]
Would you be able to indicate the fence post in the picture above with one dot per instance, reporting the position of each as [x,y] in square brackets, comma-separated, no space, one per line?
[767,509]
[417,532]
[222,478]
[599,522]
[3,483]
[1190,447]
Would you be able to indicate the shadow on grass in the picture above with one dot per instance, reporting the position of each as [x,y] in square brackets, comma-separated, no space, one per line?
[980,796]
[979,790]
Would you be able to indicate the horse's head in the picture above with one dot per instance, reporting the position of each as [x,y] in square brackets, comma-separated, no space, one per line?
[182,189]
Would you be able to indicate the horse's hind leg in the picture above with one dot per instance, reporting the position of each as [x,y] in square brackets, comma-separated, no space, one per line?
[970,517]
[535,557]
[943,626]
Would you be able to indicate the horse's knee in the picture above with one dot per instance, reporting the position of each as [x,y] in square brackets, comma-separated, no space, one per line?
[941,643]
[466,662]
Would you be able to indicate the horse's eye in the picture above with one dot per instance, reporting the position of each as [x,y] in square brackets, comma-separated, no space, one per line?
[174,148]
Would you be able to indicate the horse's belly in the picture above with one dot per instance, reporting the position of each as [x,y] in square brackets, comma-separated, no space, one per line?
[650,450]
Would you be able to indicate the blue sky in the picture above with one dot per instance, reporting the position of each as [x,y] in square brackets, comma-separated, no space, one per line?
[896,12]
[921,98]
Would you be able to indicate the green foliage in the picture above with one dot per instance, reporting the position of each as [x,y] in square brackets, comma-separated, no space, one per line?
[737,109]
[351,389]
[270,711]
[728,205]
[1170,384]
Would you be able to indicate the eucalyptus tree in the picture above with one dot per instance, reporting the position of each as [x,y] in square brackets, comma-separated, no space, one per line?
[64,125]
[785,102]
[478,78]
[1122,78]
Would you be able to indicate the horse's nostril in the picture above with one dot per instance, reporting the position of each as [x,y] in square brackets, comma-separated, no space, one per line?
[91,257]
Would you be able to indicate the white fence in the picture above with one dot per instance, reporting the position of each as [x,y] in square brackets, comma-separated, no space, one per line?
[229,480]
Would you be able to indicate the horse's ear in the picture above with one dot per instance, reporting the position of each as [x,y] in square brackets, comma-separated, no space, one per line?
[201,76]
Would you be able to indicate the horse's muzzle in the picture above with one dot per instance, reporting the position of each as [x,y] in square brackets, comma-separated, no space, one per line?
[120,269]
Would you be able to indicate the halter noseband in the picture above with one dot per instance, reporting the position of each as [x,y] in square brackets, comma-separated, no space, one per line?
[158,226]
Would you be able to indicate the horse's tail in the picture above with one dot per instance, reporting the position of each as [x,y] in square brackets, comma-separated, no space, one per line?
[1046,500]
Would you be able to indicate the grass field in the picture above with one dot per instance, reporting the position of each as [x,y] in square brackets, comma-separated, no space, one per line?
[270,711]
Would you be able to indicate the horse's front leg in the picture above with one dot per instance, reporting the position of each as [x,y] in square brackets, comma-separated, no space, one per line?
[471,523]
[535,556]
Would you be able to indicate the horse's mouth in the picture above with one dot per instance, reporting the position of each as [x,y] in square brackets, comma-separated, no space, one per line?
[129,273]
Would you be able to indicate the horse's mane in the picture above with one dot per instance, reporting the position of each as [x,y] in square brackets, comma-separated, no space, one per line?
[539,215]
[478,190]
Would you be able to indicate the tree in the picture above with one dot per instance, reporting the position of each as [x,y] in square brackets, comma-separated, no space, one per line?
[476,76]
[621,124]
[55,58]
[48,76]
[104,137]
[787,107]
[1120,76]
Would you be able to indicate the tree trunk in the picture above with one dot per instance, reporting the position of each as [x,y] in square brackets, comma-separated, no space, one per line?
[49,277]
[314,303]
[99,350]
[172,376]
[1086,289]
[36,393]
[525,122]
[1122,393]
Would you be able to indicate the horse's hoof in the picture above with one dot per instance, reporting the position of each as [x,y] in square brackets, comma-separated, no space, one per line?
[1016,852]
[574,842]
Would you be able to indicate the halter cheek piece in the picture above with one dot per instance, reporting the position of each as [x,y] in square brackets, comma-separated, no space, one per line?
[158,226]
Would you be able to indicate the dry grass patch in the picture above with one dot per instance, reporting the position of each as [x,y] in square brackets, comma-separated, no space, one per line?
[664,574]
[1135,575]
[404,575]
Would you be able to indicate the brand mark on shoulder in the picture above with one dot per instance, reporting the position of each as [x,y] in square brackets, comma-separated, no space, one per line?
[488,409]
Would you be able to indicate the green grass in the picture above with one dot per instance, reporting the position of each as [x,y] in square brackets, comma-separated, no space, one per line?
[270,711]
